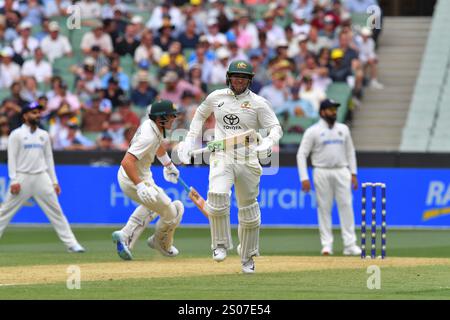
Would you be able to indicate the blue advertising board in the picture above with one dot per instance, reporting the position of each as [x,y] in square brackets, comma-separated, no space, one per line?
[91,195]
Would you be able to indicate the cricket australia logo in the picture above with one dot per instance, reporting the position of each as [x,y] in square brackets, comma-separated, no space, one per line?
[231,122]
[241,65]
[246,105]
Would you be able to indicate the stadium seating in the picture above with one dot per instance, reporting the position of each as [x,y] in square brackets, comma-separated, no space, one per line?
[61,67]
[337,91]
[127,64]
[4,93]
[425,128]
[342,93]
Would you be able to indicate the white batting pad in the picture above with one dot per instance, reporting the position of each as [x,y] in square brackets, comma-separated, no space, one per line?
[218,207]
[165,229]
[138,225]
[248,231]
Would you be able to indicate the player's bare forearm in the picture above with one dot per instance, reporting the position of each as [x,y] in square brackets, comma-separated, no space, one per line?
[129,165]
[161,151]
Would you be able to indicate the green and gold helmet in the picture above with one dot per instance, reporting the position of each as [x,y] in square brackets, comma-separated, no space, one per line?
[240,67]
[162,108]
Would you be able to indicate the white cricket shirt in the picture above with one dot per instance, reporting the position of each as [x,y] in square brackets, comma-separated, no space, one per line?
[30,152]
[236,114]
[143,146]
[329,148]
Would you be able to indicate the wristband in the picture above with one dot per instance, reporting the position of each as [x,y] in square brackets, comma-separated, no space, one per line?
[165,160]
[141,185]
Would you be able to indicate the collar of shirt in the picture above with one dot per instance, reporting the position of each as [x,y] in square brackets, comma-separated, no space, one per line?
[156,130]
[324,124]
[239,96]
[28,128]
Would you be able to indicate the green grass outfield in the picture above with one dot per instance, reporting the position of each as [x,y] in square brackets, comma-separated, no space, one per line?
[27,248]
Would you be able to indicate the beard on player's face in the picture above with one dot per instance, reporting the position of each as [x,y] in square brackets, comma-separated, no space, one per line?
[330,116]
[239,84]
[32,119]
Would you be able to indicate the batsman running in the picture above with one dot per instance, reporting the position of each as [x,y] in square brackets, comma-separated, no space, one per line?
[236,110]
[135,179]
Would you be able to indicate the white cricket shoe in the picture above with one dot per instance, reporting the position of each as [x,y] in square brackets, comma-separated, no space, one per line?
[326,251]
[152,243]
[248,266]
[76,249]
[219,254]
[376,85]
[353,250]
[121,245]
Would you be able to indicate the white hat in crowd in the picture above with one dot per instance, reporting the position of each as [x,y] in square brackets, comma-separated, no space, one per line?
[366,32]
[25,25]
[282,43]
[136,20]
[7,52]
[53,26]
[222,53]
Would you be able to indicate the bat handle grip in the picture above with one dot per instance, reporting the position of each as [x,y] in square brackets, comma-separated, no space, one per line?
[198,151]
[184,184]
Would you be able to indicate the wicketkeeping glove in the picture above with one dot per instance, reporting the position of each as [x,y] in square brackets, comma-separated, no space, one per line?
[147,194]
[171,173]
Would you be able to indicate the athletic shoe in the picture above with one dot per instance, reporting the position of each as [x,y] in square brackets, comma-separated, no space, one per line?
[219,254]
[76,249]
[326,251]
[172,252]
[122,248]
[248,266]
[376,85]
[353,250]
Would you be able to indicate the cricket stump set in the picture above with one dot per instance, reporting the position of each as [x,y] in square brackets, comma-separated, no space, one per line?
[374,186]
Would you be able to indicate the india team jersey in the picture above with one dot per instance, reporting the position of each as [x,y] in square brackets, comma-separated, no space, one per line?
[329,148]
[30,152]
[143,146]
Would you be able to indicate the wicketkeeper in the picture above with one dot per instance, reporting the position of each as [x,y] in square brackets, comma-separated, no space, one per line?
[135,179]
[236,110]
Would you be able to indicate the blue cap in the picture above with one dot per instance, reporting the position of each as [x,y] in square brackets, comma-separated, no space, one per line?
[328,103]
[32,106]
[106,136]
[144,64]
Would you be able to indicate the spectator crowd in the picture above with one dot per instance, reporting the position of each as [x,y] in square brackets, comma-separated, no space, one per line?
[96,87]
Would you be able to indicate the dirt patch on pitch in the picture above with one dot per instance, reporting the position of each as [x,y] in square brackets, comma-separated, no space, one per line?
[193,267]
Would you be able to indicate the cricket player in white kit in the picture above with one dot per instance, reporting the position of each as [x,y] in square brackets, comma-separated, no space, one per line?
[236,110]
[32,174]
[334,161]
[135,179]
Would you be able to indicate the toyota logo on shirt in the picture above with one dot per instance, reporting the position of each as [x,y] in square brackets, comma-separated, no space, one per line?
[231,122]
[231,119]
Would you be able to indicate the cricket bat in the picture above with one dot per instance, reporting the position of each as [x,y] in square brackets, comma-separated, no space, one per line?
[195,197]
[245,139]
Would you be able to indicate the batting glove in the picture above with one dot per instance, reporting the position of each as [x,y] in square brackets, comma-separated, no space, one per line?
[147,194]
[264,149]
[171,173]
[184,150]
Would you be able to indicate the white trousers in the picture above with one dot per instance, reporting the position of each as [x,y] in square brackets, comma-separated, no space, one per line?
[143,214]
[245,177]
[40,187]
[129,188]
[333,184]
